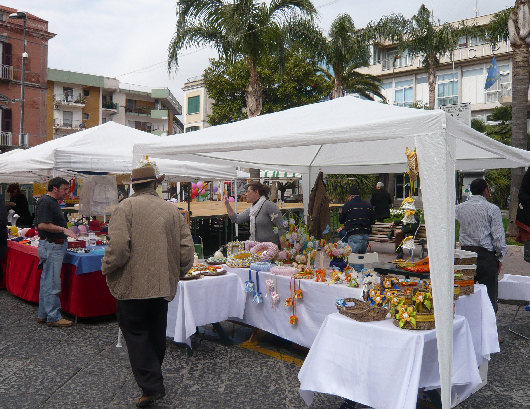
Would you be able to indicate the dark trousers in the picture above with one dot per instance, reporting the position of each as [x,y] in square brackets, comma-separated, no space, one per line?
[143,324]
[487,272]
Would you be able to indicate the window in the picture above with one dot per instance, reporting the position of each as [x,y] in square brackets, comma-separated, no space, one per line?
[6,53]
[131,105]
[68,117]
[86,92]
[86,117]
[192,128]
[6,120]
[194,104]
[447,89]
[502,87]
[403,93]
[68,94]
[473,85]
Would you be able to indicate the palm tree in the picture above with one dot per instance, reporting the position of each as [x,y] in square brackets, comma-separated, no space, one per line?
[514,24]
[419,37]
[241,29]
[344,51]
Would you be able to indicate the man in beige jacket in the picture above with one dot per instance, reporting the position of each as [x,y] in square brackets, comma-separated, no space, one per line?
[150,248]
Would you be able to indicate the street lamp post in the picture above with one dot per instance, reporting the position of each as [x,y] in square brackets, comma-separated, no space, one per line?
[22,16]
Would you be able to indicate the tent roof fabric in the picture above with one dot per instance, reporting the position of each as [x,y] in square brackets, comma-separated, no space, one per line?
[104,148]
[345,135]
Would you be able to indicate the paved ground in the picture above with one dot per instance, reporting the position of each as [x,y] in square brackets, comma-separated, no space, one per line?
[80,367]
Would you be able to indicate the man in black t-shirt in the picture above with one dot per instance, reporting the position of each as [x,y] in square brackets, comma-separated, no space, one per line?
[53,230]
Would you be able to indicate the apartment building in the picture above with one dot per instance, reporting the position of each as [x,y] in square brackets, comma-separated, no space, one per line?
[197,105]
[36,62]
[460,77]
[78,101]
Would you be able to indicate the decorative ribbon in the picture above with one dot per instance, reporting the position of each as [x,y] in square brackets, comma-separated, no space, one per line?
[257,297]
[465,283]
[422,299]
[320,276]
[249,285]
[424,318]
[340,302]
[406,314]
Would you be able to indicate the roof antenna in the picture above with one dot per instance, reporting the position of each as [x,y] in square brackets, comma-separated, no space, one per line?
[476,8]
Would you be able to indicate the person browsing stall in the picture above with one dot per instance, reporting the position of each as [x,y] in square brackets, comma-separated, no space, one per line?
[19,203]
[53,231]
[381,201]
[358,217]
[263,215]
[150,248]
[482,231]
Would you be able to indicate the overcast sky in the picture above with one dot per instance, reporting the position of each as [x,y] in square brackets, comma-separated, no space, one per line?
[128,39]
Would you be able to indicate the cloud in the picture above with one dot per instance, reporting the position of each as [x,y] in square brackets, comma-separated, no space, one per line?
[116,37]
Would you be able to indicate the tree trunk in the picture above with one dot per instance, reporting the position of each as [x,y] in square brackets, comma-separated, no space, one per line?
[254,92]
[338,89]
[431,72]
[520,81]
[254,102]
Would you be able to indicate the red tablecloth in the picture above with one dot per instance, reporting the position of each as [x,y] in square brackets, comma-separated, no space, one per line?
[85,295]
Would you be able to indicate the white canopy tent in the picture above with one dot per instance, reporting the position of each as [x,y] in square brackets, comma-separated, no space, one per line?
[105,148]
[349,135]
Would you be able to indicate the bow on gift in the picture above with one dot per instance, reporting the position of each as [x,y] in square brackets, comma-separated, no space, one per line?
[293,320]
[270,285]
[298,294]
[406,314]
[320,276]
[422,299]
[275,297]
[390,283]
[340,302]
[376,298]
[393,301]
[288,302]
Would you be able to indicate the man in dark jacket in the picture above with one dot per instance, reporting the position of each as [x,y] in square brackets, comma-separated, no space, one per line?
[522,219]
[381,201]
[357,216]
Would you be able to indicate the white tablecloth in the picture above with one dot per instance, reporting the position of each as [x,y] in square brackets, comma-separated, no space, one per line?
[203,301]
[318,301]
[479,313]
[514,287]
[382,366]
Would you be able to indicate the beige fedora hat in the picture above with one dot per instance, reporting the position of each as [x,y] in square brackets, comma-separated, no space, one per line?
[145,174]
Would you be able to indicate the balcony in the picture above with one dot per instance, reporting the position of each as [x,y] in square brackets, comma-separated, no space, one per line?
[110,107]
[141,111]
[6,72]
[6,138]
[69,101]
[67,125]
[159,114]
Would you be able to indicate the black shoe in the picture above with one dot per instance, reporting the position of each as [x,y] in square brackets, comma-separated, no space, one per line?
[146,401]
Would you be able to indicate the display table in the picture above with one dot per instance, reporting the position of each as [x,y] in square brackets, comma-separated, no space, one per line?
[514,288]
[82,295]
[478,311]
[204,301]
[318,301]
[382,366]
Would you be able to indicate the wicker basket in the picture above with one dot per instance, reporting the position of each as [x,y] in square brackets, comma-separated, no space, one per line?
[214,273]
[456,293]
[192,277]
[468,271]
[463,257]
[423,322]
[362,311]
[466,286]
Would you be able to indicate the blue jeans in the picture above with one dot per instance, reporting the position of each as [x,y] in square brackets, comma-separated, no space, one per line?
[358,244]
[51,258]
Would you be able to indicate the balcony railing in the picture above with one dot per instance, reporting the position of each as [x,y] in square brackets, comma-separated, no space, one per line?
[495,95]
[6,72]
[67,124]
[109,105]
[138,110]
[69,99]
[5,138]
